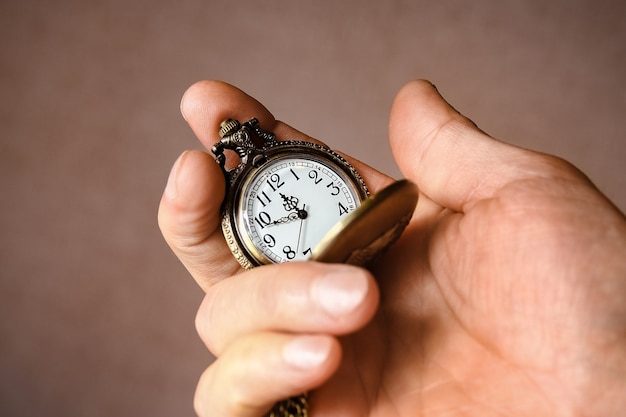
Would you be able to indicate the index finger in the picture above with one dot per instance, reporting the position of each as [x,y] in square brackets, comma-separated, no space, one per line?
[207,103]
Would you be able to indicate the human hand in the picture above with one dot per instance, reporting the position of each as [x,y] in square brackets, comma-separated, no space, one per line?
[503,296]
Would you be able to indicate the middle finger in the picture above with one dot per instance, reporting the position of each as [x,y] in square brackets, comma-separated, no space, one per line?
[304,297]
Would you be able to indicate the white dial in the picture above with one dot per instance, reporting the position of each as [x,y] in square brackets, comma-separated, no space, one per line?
[287,206]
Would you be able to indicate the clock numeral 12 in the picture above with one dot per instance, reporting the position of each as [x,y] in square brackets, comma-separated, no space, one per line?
[274,182]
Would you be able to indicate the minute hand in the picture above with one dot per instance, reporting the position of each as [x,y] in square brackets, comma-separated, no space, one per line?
[302,214]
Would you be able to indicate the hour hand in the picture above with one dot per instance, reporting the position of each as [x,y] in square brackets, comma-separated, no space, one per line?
[290,203]
[292,217]
[299,214]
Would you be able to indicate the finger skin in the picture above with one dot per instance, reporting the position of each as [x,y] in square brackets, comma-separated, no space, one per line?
[298,297]
[532,262]
[452,161]
[189,218]
[207,103]
[261,369]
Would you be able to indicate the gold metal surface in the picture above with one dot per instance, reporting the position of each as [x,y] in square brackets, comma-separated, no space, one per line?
[371,228]
[292,407]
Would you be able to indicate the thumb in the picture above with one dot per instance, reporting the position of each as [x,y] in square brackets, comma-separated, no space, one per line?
[452,161]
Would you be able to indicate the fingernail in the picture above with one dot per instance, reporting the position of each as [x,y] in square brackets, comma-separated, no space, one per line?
[171,188]
[341,292]
[307,352]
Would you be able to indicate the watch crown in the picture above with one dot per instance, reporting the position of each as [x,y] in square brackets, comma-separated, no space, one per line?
[228,127]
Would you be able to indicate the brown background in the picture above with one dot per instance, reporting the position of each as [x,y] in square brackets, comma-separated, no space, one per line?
[96,316]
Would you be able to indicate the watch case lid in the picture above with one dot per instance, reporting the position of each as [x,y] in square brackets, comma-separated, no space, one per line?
[370,229]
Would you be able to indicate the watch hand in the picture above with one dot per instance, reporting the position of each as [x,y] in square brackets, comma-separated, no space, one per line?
[289,203]
[301,224]
[292,217]
[299,214]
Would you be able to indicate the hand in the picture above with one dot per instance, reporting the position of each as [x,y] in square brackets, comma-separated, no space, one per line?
[504,296]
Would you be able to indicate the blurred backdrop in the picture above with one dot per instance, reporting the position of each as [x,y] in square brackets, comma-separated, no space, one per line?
[96,315]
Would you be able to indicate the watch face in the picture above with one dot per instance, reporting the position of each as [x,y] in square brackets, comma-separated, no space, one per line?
[286,206]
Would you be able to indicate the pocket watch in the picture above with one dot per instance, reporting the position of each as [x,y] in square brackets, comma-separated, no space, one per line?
[296,200]
[283,196]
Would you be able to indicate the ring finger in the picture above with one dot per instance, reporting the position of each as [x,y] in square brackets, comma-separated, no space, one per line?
[262,368]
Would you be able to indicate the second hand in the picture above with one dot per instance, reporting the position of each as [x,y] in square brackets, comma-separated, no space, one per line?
[300,231]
